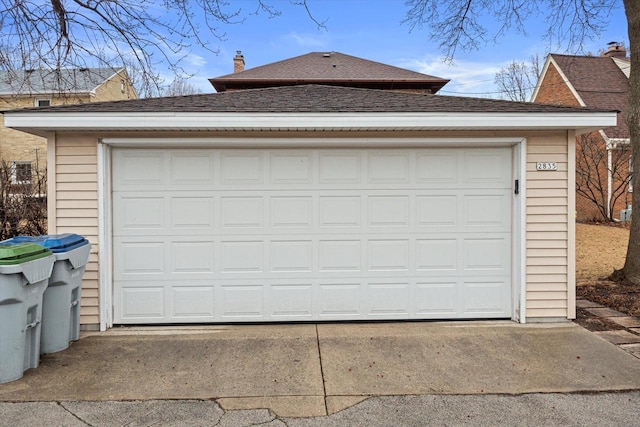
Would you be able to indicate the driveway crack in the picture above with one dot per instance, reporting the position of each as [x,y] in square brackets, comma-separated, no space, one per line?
[73,414]
[324,386]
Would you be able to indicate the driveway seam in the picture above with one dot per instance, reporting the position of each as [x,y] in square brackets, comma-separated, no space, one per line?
[74,415]
[324,387]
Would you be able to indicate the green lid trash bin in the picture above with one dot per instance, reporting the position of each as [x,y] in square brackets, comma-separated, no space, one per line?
[25,269]
[61,300]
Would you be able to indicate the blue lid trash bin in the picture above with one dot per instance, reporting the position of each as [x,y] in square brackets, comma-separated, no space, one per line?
[61,300]
[24,274]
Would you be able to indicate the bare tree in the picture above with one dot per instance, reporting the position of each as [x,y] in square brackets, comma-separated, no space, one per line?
[23,203]
[459,24]
[58,34]
[517,80]
[180,87]
[602,173]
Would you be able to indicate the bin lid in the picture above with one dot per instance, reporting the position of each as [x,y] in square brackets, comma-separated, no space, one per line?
[18,253]
[55,242]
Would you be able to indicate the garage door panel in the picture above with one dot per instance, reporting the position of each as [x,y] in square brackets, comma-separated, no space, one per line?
[142,258]
[275,235]
[437,255]
[438,299]
[242,300]
[486,210]
[241,212]
[139,168]
[137,211]
[340,167]
[486,254]
[437,168]
[291,167]
[388,167]
[192,212]
[388,254]
[340,299]
[193,257]
[340,211]
[486,297]
[388,300]
[291,211]
[487,167]
[192,168]
[291,301]
[140,303]
[242,168]
[388,211]
[291,256]
[193,303]
[339,255]
[242,256]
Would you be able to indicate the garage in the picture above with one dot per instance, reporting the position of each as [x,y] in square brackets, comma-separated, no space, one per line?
[309,234]
[316,203]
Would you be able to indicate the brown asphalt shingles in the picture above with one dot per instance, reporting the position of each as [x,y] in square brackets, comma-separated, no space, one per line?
[312,99]
[332,68]
[600,83]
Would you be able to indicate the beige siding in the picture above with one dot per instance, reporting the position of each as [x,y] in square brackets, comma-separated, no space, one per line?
[76,209]
[547,250]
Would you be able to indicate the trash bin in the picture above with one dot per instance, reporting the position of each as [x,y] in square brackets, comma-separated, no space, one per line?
[24,274]
[61,300]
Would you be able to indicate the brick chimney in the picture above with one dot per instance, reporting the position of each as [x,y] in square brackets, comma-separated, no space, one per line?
[238,62]
[615,50]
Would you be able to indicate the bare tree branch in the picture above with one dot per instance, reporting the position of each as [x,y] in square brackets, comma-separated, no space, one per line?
[87,33]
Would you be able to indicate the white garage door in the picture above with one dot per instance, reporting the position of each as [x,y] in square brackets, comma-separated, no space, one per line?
[213,235]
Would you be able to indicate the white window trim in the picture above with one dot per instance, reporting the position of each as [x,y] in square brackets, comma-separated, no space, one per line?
[38,100]
[14,172]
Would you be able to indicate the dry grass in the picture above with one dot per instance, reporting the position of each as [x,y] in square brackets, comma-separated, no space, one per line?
[599,250]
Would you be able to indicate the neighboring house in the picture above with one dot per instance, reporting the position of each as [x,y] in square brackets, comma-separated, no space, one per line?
[317,202]
[327,68]
[43,88]
[603,165]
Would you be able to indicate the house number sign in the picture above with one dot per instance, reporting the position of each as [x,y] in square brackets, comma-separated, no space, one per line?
[546,166]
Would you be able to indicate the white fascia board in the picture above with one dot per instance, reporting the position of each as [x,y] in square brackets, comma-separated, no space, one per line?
[36,122]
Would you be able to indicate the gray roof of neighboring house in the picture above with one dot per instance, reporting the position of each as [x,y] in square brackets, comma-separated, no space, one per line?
[50,82]
[601,83]
[332,68]
[311,99]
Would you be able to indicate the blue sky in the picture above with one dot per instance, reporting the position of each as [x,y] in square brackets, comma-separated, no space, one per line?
[373,29]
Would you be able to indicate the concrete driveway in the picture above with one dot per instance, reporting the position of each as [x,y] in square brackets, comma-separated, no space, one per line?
[311,370]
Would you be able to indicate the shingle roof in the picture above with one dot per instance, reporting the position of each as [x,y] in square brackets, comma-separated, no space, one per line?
[41,81]
[311,99]
[601,84]
[332,68]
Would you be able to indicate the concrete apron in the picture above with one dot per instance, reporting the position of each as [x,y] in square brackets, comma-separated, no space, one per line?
[311,370]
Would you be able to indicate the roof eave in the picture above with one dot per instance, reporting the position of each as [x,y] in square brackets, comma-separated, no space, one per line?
[43,123]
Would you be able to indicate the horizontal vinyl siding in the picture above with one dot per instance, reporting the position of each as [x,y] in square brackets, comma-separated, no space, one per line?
[547,252]
[77,209]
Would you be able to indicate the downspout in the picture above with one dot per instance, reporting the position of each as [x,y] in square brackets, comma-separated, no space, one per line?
[609,180]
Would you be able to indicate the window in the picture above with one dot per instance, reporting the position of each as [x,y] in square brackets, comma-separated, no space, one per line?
[122,86]
[43,102]
[21,172]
